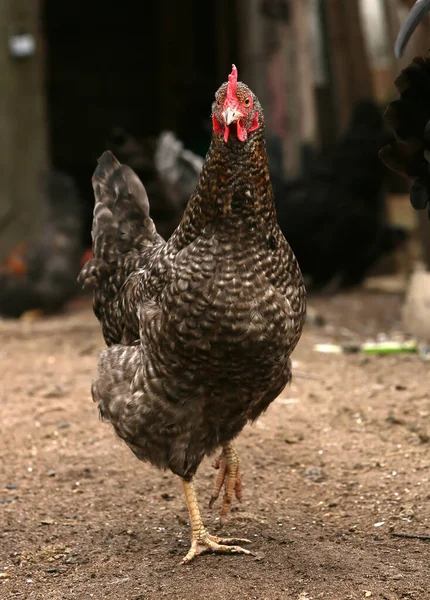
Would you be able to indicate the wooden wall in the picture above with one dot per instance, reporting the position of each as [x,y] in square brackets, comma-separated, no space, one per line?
[23,139]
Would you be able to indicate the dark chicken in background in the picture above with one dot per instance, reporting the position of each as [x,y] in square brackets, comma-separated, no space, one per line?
[409,116]
[200,328]
[335,216]
[41,276]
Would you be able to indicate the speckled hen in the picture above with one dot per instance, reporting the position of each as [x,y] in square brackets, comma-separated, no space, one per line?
[200,328]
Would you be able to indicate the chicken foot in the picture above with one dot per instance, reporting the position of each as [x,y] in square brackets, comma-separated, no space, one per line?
[201,540]
[229,476]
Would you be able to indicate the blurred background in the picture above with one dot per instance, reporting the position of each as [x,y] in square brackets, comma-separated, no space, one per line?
[79,77]
[338,470]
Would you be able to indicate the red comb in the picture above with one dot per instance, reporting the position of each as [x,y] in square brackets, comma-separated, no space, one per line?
[232,85]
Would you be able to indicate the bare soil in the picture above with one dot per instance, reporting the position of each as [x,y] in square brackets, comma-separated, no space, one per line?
[337,467]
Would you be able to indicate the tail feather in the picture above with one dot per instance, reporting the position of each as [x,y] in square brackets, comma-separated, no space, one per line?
[409,117]
[415,16]
[178,169]
[132,210]
[121,222]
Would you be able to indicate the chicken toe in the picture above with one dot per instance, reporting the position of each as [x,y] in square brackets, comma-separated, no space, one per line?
[210,543]
[229,476]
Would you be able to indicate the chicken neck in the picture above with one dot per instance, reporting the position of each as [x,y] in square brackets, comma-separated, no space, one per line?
[234,185]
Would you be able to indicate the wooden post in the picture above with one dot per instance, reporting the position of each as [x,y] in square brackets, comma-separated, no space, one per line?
[23,136]
[268,66]
[252,47]
[393,26]
[325,86]
[351,70]
[288,105]
[304,71]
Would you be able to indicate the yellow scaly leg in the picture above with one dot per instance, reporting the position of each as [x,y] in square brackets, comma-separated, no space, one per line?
[228,464]
[201,540]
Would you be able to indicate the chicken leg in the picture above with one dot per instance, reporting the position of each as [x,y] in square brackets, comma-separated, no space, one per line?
[201,540]
[228,464]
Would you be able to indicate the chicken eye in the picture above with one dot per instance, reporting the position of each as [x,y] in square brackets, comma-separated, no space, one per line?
[247,101]
[218,102]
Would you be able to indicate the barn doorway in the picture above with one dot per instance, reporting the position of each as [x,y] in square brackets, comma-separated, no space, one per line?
[144,66]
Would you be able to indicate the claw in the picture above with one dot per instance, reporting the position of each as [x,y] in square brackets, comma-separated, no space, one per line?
[220,464]
[229,476]
[209,543]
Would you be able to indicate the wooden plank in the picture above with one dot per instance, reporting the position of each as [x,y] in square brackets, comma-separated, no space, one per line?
[358,55]
[351,71]
[325,87]
[304,71]
[23,139]
[252,36]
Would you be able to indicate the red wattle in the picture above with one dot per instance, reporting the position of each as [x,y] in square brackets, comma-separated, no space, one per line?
[217,127]
[242,134]
[255,123]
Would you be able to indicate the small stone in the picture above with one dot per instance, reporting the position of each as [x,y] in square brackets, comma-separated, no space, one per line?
[293,440]
[88,349]
[167,496]
[57,391]
[70,559]
[315,473]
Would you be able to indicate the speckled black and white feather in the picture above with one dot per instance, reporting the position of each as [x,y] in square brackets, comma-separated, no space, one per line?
[200,327]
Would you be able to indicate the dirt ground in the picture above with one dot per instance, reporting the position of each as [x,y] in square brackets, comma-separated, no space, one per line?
[337,467]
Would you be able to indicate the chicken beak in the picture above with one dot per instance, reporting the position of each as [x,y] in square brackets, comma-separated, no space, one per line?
[414,18]
[230,115]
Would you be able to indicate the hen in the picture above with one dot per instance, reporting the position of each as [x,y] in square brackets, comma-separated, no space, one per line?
[199,329]
[41,277]
[409,116]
